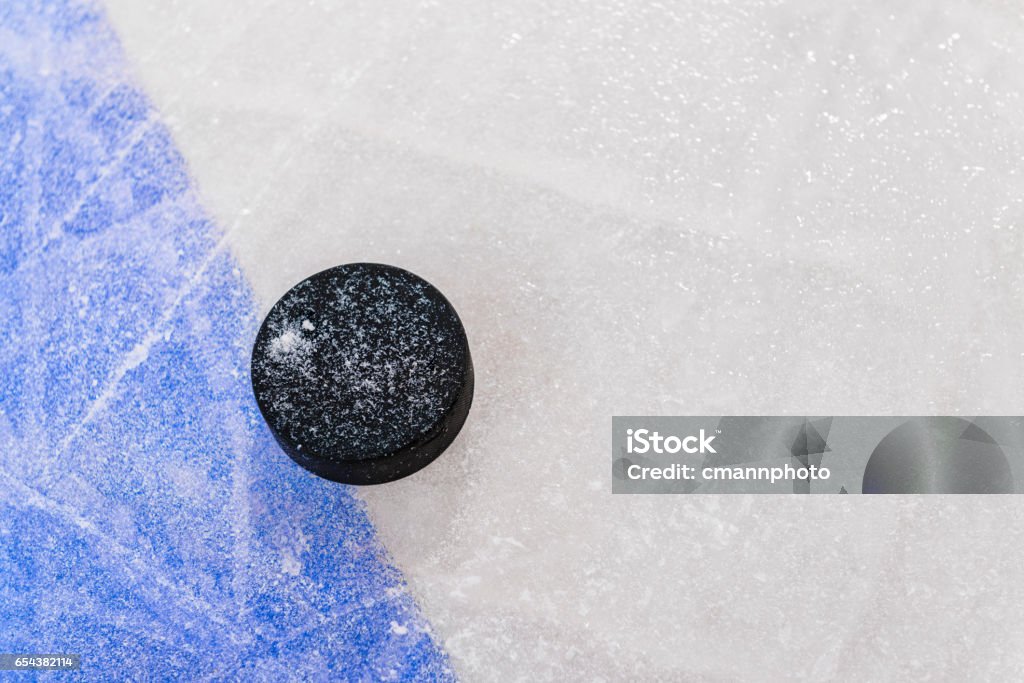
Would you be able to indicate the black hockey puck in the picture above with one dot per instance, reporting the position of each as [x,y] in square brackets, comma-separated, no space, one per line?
[363,373]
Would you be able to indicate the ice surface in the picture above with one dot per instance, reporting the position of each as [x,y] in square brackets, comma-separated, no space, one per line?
[694,207]
[147,520]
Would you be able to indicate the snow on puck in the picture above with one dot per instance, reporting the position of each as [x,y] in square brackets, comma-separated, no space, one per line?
[363,373]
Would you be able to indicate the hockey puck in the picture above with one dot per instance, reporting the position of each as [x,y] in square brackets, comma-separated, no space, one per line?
[363,373]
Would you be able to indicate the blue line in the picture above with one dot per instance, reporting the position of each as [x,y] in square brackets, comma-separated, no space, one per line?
[147,520]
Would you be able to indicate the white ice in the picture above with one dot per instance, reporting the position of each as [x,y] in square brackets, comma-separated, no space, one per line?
[695,207]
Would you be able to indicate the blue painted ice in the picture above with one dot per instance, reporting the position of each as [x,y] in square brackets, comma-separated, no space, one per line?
[147,520]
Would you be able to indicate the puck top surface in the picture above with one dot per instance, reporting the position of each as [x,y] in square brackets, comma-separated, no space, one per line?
[362,373]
